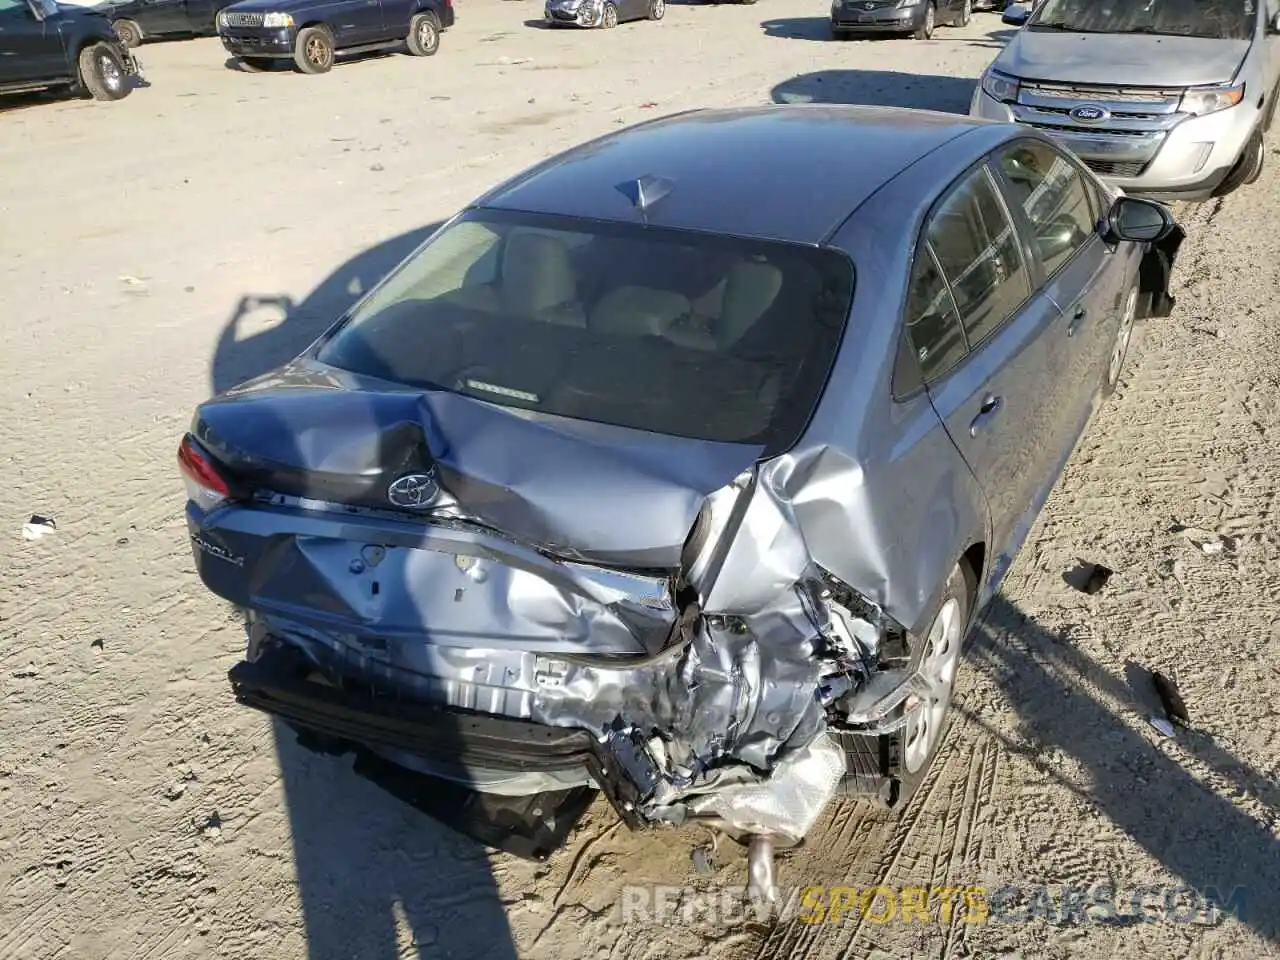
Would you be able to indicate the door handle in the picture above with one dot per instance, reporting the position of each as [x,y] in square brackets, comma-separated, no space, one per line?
[990,407]
[1077,319]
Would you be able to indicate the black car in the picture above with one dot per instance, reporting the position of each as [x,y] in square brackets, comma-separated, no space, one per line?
[138,20]
[313,32]
[850,18]
[45,46]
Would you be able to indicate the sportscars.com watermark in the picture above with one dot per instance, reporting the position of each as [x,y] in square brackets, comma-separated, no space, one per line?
[1100,903]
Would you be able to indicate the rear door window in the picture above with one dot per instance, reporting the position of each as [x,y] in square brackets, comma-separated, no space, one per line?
[978,252]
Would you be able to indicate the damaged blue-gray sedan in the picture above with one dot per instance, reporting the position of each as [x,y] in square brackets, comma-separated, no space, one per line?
[675,468]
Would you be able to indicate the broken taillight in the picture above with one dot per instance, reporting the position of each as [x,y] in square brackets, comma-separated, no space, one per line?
[205,485]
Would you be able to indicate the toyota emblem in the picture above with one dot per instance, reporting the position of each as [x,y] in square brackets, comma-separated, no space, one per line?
[415,491]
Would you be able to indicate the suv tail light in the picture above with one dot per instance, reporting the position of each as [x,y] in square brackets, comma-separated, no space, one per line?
[205,485]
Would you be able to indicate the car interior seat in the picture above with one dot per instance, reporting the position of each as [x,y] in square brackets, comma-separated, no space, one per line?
[538,282]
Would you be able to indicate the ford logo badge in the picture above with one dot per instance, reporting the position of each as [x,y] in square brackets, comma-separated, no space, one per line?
[415,491]
[1089,113]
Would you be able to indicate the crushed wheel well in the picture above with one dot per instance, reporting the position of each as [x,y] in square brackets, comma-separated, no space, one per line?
[975,557]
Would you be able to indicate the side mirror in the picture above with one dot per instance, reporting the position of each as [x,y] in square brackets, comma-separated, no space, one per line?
[1016,14]
[1138,221]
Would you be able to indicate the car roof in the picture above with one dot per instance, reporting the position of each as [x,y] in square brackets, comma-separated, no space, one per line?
[789,172]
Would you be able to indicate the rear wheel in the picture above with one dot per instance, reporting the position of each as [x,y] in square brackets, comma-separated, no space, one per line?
[130,33]
[424,35]
[313,50]
[102,73]
[609,19]
[927,25]
[894,765]
[657,9]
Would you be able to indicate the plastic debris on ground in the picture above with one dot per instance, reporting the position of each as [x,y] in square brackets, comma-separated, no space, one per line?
[38,527]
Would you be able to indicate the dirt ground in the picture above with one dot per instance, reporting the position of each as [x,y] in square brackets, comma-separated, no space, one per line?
[210,225]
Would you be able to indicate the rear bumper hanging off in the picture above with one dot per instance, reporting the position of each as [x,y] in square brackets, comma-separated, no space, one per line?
[336,721]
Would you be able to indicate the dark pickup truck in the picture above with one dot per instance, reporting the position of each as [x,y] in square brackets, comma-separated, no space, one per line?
[312,33]
[138,20]
[44,46]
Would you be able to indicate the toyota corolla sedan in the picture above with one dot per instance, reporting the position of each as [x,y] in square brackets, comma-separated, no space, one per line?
[674,480]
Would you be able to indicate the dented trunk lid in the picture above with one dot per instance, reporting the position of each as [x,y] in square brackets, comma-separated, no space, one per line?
[555,535]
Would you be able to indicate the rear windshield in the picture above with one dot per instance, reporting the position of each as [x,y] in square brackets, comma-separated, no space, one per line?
[1216,19]
[674,332]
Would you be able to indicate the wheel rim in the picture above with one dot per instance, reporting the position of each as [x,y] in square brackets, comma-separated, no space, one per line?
[928,21]
[426,35]
[111,74]
[317,52]
[659,7]
[938,669]
[610,17]
[1123,335]
[968,11]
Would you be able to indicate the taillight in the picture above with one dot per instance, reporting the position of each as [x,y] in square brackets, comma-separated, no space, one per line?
[205,485]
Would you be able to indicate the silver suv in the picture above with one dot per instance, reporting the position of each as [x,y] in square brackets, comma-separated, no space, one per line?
[1165,98]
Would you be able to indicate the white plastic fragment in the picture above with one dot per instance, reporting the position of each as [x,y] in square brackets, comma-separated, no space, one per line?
[38,527]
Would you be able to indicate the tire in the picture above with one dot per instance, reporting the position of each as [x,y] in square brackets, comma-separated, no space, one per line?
[424,35]
[966,14]
[1248,166]
[130,33]
[609,18]
[890,768]
[929,24]
[313,51]
[657,9]
[253,64]
[102,73]
[1120,349]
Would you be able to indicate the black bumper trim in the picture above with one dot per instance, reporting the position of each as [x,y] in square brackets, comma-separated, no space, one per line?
[338,721]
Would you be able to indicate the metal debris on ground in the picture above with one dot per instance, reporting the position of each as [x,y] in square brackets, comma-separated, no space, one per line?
[1088,577]
[1210,543]
[1161,724]
[38,527]
[704,863]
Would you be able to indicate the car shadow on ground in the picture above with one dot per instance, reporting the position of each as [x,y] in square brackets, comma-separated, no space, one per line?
[372,872]
[1206,842]
[819,28]
[240,356]
[878,88]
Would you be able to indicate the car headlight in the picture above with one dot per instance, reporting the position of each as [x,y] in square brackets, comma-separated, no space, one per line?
[1000,86]
[222,18]
[908,4]
[277,20]
[1204,100]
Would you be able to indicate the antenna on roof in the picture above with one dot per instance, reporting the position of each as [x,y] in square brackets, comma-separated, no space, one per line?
[644,192]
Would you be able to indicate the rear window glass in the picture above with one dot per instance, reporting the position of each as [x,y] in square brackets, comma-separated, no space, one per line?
[674,332]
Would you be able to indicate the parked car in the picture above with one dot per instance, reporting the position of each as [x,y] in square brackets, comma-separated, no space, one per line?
[601,13]
[46,46]
[138,20]
[1162,99]
[649,475]
[851,18]
[313,33]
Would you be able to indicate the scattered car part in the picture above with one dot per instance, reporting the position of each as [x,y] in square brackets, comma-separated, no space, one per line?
[1088,577]
[38,527]
[1174,707]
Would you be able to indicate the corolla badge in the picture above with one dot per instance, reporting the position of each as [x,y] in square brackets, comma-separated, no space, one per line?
[415,491]
[1089,113]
